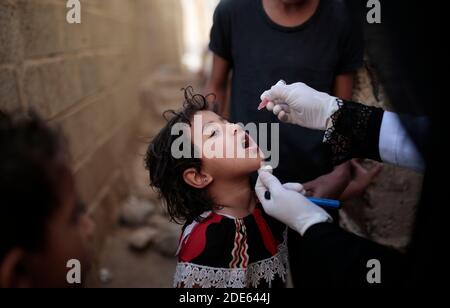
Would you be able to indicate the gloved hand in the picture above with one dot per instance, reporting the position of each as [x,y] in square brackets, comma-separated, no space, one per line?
[287,204]
[299,104]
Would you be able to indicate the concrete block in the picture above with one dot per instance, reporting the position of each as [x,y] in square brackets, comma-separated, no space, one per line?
[9,92]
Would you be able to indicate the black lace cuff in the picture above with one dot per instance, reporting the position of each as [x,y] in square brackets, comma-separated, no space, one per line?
[355,132]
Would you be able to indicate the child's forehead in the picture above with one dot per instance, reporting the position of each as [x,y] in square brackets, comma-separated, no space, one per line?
[207,116]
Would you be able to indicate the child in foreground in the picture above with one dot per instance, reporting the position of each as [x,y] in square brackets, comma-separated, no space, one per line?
[227,239]
[44,224]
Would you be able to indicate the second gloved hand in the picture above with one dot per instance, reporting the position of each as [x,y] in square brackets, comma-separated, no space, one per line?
[302,105]
[287,204]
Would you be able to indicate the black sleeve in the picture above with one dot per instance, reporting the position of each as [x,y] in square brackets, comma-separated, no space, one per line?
[220,36]
[337,258]
[355,132]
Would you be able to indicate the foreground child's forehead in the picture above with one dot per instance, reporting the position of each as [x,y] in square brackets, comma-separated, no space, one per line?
[206,117]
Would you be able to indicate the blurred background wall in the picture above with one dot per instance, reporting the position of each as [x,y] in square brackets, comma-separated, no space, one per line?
[105,83]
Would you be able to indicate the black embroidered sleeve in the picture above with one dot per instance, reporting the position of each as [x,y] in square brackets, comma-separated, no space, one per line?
[355,132]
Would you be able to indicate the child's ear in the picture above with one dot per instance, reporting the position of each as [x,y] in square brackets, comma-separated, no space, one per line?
[12,272]
[196,179]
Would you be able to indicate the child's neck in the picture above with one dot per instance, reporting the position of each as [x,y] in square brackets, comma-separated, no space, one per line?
[233,198]
[290,14]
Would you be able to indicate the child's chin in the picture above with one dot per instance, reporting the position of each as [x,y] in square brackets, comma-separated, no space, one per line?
[254,164]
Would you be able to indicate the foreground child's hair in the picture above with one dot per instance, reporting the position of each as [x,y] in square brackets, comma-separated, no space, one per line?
[29,182]
[184,202]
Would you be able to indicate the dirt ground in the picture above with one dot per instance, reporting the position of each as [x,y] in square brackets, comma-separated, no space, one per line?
[130,269]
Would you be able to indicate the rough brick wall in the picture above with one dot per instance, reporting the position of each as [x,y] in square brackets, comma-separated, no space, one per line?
[84,78]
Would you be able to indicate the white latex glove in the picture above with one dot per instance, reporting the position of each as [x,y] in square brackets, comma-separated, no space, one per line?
[287,204]
[299,104]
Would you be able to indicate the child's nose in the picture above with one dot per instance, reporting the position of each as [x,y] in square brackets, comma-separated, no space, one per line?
[234,128]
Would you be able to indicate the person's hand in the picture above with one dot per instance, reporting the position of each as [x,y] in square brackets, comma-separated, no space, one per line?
[331,185]
[360,179]
[287,204]
[299,104]
[295,187]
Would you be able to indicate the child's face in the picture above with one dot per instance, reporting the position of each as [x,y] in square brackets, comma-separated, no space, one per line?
[66,237]
[227,151]
[69,232]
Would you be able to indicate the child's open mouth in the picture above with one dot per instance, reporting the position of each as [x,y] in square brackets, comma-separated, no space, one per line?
[247,142]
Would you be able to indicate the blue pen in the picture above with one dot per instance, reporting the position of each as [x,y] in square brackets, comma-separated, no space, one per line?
[326,203]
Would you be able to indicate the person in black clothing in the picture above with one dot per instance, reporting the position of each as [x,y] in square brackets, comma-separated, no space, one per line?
[352,130]
[332,256]
[312,41]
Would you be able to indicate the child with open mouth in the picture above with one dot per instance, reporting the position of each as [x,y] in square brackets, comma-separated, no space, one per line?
[227,239]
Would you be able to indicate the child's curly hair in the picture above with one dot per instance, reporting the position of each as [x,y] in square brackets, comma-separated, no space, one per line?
[184,202]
